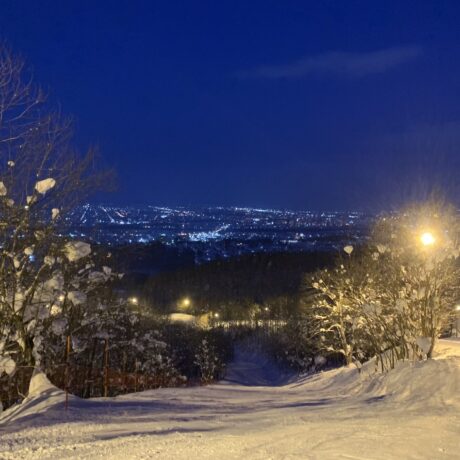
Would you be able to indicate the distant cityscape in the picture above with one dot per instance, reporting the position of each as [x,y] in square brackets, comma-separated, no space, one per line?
[215,232]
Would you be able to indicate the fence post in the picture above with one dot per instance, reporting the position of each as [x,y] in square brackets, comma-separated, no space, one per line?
[123,376]
[66,375]
[89,387]
[106,366]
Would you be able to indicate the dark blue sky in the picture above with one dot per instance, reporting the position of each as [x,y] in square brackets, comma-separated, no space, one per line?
[294,104]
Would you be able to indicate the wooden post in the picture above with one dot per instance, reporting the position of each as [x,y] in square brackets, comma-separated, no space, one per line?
[106,367]
[123,375]
[66,375]
[89,387]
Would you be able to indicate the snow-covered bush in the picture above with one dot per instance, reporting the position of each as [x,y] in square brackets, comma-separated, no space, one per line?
[115,336]
[418,271]
[207,361]
[295,345]
[186,343]
[343,295]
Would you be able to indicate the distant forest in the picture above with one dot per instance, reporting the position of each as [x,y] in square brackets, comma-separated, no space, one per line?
[228,286]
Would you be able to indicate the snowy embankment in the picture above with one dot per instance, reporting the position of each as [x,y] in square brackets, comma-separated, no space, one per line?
[413,412]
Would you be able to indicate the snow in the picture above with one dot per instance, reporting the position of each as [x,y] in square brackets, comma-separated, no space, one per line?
[411,412]
[7,365]
[49,260]
[39,385]
[75,250]
[58,326]
[45,185]
[77,297]
[424,343]
[249,368]
[348,249]
[182,318]
[56,282]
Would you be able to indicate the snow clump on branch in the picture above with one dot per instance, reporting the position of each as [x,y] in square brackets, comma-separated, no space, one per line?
[76,250]
[45,185]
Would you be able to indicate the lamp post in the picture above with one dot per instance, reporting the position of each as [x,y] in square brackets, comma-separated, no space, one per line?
[457,319]
[428,240]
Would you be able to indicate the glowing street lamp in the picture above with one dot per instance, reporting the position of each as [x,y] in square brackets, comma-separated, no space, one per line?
[133,300]
[186,302]
[427,239]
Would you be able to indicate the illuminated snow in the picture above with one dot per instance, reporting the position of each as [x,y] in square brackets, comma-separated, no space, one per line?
[75,250]
[45,185]
[410,412]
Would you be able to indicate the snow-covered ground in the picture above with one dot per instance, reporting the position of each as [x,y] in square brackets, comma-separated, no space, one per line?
[411,413]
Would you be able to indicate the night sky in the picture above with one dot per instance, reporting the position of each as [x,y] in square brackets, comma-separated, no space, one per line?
[289,104]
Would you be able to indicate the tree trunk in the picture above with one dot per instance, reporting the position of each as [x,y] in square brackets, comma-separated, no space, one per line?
[29,358]
[429,355]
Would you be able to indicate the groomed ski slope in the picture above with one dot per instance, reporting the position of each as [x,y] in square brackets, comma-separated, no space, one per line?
[412,412]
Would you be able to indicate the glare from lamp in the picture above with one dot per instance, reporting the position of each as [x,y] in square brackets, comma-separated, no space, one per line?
[427,239]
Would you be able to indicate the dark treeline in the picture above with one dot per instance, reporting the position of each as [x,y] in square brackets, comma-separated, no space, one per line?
[148,259]
[232,286]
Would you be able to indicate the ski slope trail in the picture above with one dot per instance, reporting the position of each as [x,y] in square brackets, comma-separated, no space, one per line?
[409,413]
[250,368]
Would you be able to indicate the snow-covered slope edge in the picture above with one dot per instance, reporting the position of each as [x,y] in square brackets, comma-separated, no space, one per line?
[43,396]
[433,384]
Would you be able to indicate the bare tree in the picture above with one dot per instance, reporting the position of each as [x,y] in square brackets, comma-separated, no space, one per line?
[42,177]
